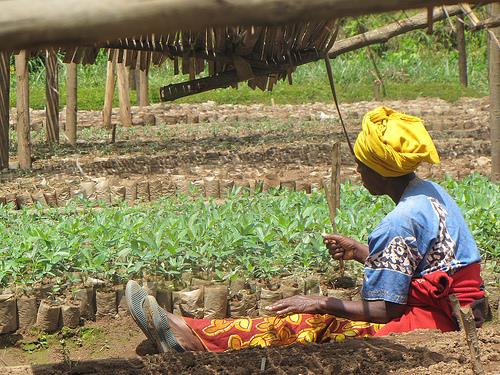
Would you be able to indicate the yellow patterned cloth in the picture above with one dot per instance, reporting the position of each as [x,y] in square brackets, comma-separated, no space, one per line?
[394,144]
[221,335]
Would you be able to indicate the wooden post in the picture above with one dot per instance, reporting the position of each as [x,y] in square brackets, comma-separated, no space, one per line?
[430,20]
[132,79]
[52,96]
[23,111]
[123,95]
[71,102]
[143,62]
[144,88]
[467,324]
[110,90]
[462,51]
[4,109]
[494,60]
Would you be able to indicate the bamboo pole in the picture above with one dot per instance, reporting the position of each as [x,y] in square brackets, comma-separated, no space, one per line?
[71,103]
[23,111]
[34,23]
[462,51]
[110,90]
[4,109]
[124,95]
[494,59]
[52,96]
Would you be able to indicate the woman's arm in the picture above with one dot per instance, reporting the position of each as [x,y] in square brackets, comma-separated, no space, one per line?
[368,311]
[341,247]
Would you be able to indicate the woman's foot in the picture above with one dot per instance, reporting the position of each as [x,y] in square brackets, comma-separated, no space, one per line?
[168,330]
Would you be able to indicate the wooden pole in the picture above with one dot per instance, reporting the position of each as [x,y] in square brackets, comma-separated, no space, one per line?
[23,111]
[143,87]
[4,109]
[430,20]
[462,51]
[110,90]
[71,102]
[33,23]
[52,96]
[123,95]
[475,21]
[494,60]
[132,79]
[384,33]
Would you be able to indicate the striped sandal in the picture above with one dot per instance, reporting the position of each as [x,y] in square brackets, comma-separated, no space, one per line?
[135,296]
[159,327]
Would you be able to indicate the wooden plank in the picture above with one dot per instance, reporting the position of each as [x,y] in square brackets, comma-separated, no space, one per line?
[52,96]
[4,109]
[89,21]
[123,95]
[109,93]
[71,102]
[23,111]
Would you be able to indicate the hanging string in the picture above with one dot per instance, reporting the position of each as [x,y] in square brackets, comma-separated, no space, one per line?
[335,99]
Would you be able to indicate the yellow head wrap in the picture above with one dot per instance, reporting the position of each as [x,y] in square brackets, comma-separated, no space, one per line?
[394,144]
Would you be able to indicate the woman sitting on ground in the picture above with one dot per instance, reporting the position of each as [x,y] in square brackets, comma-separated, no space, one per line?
[417,256]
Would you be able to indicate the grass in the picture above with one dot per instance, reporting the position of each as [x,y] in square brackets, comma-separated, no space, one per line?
[413,65]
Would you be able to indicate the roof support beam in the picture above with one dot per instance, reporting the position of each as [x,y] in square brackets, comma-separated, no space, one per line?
[36,23]
[384,33]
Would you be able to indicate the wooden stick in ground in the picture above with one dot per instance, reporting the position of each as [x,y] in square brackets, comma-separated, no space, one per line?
[71,103]
[109,93]
[468,325]
[23,111]
[123,95]
[462,51]
[52,96]
[4,109]
[494,62]
[332,191]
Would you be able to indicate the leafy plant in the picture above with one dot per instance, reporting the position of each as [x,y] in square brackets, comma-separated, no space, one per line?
[261,235]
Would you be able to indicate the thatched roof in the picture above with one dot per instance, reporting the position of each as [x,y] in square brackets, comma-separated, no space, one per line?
[262,55]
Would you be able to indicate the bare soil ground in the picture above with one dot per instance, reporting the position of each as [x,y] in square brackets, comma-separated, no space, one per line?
[121,348]
[242,143]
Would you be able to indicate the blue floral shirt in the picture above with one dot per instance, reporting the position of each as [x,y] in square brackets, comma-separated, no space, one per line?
[426,232]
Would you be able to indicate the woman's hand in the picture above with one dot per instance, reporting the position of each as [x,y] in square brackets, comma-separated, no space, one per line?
[342,247]
[298,304]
